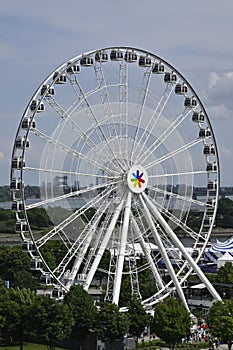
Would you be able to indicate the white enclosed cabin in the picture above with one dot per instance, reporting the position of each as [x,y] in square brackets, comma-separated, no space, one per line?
[27,122]
[101,56]
[47,90]
[87,61]
[17,206]
[158,68]
[116,55]
[181,89]
[208,221]
[211,167]
[37,106]
[190,102]
[28,246]
[210,211]
[21,142]
[209,150]
[59,78]
[204,133]
[46,279]
[144,61]
[170,77]
[212,185]
[36,263]
[130,56]
[73,68]
[198,117]
[57,293]
[21,226]
[16,184]
[17,163]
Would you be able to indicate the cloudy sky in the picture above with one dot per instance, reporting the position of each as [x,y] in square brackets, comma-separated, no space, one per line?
[194,36]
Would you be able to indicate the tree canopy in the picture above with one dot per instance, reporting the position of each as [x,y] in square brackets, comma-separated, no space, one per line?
[111,323]
[220,320]
[171,321]
[83,310]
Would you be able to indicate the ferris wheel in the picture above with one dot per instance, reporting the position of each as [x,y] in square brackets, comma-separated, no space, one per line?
[123,161]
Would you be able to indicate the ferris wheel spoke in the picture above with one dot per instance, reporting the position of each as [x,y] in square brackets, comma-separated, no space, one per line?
[163,251]
[64,223]
[69,150]
[104,97]
[191,173]
[190,232]
[181,247]
[103,244]
[123,110]
[174,153]
[91,115]
[103,186]
[152,124]
[158,279]
[79,248]
[143,91]
[66,116]
[170,129]
[69,172]
[178,196]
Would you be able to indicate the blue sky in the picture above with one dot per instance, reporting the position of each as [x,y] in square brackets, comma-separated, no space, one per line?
[194,36]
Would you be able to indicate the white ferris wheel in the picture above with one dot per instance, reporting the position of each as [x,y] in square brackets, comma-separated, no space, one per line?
[123,155]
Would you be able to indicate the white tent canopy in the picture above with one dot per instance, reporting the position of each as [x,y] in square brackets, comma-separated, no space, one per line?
[227,257]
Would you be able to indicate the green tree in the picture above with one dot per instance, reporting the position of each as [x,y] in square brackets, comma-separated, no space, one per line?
[38,218]
[171,321]
[225,274]
[7,221]
[16,309]
[52,321]
[111,323]
[220,320]
[224,217]
[83,310]
[137,316]
[3,291]
[14,267]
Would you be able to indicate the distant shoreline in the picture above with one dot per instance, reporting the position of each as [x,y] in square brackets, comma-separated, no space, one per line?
[15,238]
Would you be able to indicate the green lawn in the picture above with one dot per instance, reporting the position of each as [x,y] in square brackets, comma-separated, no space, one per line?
[27,346]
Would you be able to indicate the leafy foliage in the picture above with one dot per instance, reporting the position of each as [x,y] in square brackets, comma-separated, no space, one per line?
[7,221]
[225,274]
[224,217]
[171,321]
[220,320]
[53,321]
[137,316]
[111,323]
[14,267]
[83,310]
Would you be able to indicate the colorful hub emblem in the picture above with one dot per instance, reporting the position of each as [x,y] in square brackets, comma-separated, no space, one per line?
[137,179]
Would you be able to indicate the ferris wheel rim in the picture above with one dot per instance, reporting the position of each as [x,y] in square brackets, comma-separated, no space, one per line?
[112,146]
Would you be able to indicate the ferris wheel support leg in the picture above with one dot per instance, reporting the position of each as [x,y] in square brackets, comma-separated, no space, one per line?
[103,245]
[121,255]
[159,281]
[182,249]
[164,253]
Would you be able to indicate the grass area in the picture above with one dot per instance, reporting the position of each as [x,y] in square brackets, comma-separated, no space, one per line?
[27,346]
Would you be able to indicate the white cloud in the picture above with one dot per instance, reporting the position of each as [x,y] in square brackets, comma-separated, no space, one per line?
[219,96]
[1,156]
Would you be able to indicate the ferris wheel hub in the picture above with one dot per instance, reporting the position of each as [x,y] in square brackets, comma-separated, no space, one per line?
[137,178]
